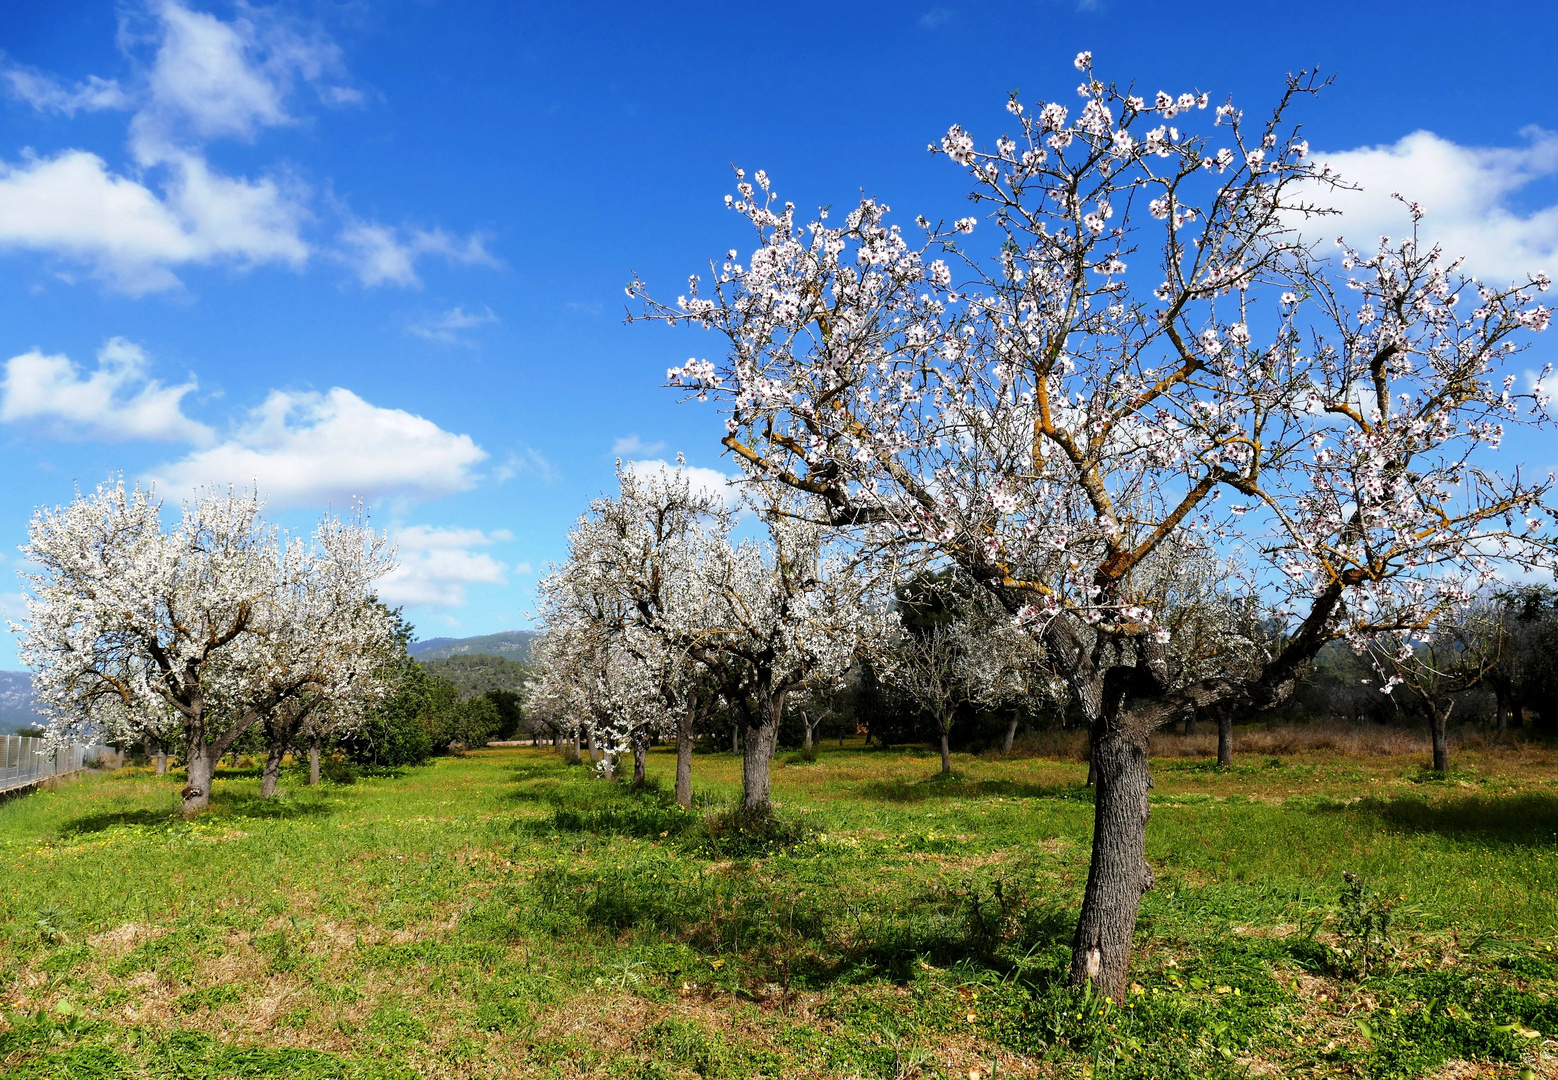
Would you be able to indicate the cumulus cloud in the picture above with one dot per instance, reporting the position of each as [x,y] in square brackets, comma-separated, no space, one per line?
[304,449]
[448,326]
[383,255]
[118,400]
[437,564]
[72,205]
[700,479]
[1469,195]
[205,79]
[630,445]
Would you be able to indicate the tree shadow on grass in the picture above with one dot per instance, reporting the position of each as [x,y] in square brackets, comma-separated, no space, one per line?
[222,809]
[1525,820]
[110,819]
[957,787]
[256,809]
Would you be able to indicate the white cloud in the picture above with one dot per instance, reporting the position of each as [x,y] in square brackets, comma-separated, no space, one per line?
[213,79]
[310,448]
[529,463]
[1467,192]
[436,565]
[935,17]
[117,401]
[447,327]
[379,255]
[47,95]
[72,205]
[630,445]
[700,479]
[523,568]
[206,79]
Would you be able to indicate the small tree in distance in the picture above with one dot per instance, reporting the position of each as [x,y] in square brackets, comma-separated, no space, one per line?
[1149,353]
[212,625]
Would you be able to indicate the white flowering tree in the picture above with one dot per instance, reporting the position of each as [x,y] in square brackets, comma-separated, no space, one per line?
[934,669]
[794,610]
[1147,349]
[1423,671]
[646,547]
[210,625]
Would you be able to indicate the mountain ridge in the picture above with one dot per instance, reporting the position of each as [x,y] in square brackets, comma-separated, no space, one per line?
[509,644]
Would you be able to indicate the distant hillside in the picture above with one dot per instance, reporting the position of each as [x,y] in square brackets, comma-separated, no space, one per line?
[509,644]
[476,673]
[16,709]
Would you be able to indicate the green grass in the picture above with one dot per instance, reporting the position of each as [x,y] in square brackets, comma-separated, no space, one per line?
[505,915]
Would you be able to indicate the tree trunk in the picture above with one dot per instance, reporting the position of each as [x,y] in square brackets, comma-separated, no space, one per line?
[608,764]
[162,761]
[1502,724]
[1190,722]
[807,747]
[735,738]
[272,769]
[946,754]
[590,736]
[202,763]
[1011,733]
[1438,722]
[1225,738]
[313,763]
[759,752]
[1517,713]
[640,754]
[1119,874]
[684,755]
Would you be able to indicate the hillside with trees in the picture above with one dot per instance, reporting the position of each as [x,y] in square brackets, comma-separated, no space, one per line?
[477,673]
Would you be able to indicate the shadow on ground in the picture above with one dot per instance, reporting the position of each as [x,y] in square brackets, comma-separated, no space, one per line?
[958,787]
[1528,820]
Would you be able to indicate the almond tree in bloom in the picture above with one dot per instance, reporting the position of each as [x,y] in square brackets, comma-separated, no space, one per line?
[935,670]
[215,623]
[794,610]
[647,546]
[1147,350]
[1423,671]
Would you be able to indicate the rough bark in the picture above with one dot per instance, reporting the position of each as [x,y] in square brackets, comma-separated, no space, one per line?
[1119,874]
[735,739]
[1225,738]
[1502,722]
[684,756]
[162,761]
[272,772]
[758,750]
[313,763]
[640,756]
[202,765]
[946,754]
[1438,724]
[1190,723]
[808,747]
[1011,733]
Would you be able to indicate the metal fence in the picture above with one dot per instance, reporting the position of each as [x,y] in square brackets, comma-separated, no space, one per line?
[24,761]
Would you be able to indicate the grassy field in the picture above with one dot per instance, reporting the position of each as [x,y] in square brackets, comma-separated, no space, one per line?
[506,915]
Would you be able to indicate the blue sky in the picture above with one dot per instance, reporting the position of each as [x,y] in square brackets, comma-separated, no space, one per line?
[379,249]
